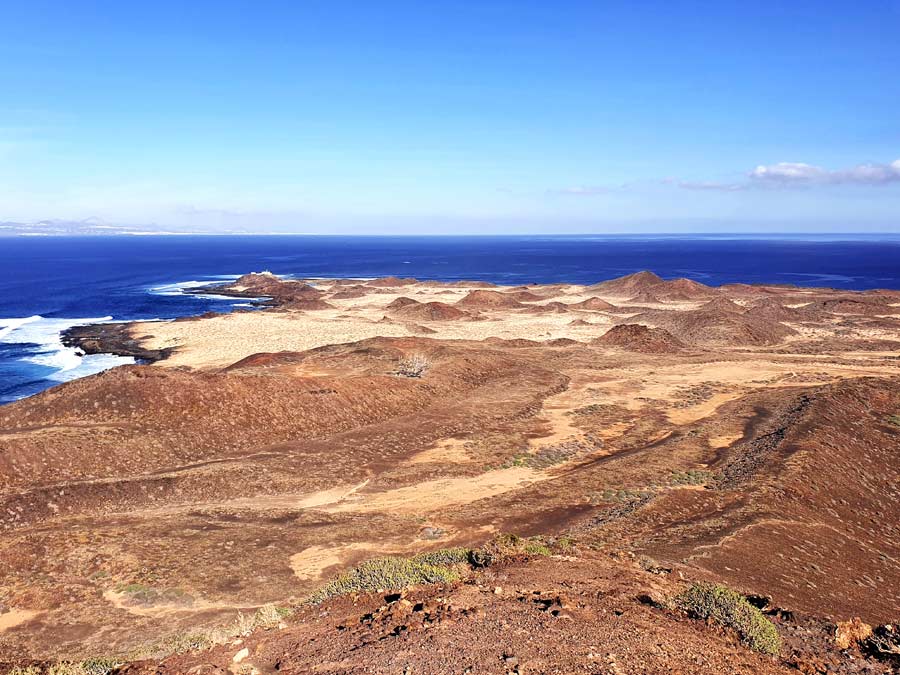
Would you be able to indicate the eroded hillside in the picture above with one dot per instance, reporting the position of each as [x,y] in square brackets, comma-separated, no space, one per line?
[668,432]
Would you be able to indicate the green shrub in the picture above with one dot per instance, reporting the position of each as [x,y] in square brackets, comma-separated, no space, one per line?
[266,616]
[395,574]
[692,477]
[445,556]
[24,670]
[894,419]
[730,608]
[186,642]
[95,666]
[508,546]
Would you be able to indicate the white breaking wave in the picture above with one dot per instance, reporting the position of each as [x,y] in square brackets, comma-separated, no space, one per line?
[65,362]
[180,287]
[7,326]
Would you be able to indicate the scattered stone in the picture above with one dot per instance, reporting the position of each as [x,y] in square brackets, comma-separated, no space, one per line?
[431,533]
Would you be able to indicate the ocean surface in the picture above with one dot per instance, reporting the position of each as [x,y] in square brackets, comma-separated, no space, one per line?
[48,284]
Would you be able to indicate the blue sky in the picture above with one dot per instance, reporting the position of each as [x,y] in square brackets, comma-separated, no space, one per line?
[442,117]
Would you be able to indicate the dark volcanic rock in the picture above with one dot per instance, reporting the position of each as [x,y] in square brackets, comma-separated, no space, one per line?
[110,338]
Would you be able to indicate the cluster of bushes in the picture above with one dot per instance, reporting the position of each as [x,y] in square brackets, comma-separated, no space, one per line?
[622,496]
[267,616]
[692,477]
[394,574]
[730,608]
[99,666]
[442,566]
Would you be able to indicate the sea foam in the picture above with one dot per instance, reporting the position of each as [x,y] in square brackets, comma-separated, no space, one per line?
[48,351]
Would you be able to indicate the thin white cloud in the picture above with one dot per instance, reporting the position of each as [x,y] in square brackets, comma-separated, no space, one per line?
[799,174]
[708,186]
[584,191]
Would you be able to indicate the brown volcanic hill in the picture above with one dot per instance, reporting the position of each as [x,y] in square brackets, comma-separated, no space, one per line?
[402,301]
[714,327]
[722,304]
[753,290]
[811,476]
[489,299]
[628,285]
[855,304]
[683,289]
[430,311]
[305,304]
[544,618]
[457,284]
[640,338]
[129,500]
[349,292]
[646,296]
[525,296]
[391,282]
[594,304]
[267,284]
[642,286]
[554,307]
[772,309]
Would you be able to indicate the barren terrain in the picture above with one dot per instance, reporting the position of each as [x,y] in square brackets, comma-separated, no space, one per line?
[651,433]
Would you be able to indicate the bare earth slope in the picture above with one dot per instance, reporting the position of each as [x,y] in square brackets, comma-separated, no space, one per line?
[743,435]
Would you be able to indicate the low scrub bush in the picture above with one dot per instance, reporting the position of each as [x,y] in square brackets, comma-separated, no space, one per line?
[730,608]
[266,616]
[506,547]
[395,574]
[441,566]
[692,477]
[96,666]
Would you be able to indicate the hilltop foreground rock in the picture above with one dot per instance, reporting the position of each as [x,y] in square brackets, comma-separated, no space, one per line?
[316,487]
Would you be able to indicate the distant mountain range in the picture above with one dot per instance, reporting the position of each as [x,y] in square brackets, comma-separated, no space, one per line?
[86,227]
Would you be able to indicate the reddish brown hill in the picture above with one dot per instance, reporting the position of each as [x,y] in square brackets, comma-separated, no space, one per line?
[803,510]
[544,615]
[488,299]
[594,304]
[646,296]
[457,284]
[751,290]
[714,327]
[401,302]
[430,311]
[722,304]
[349,292]
[869,305]
[391,282]
[525,296]
[269,285]
[772,309]
[683,289]
[640,338]
[306,304]
[628,285]
[648,287]
[549,308]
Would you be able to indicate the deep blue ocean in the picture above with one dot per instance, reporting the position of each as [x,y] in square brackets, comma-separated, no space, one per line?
[50,283]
